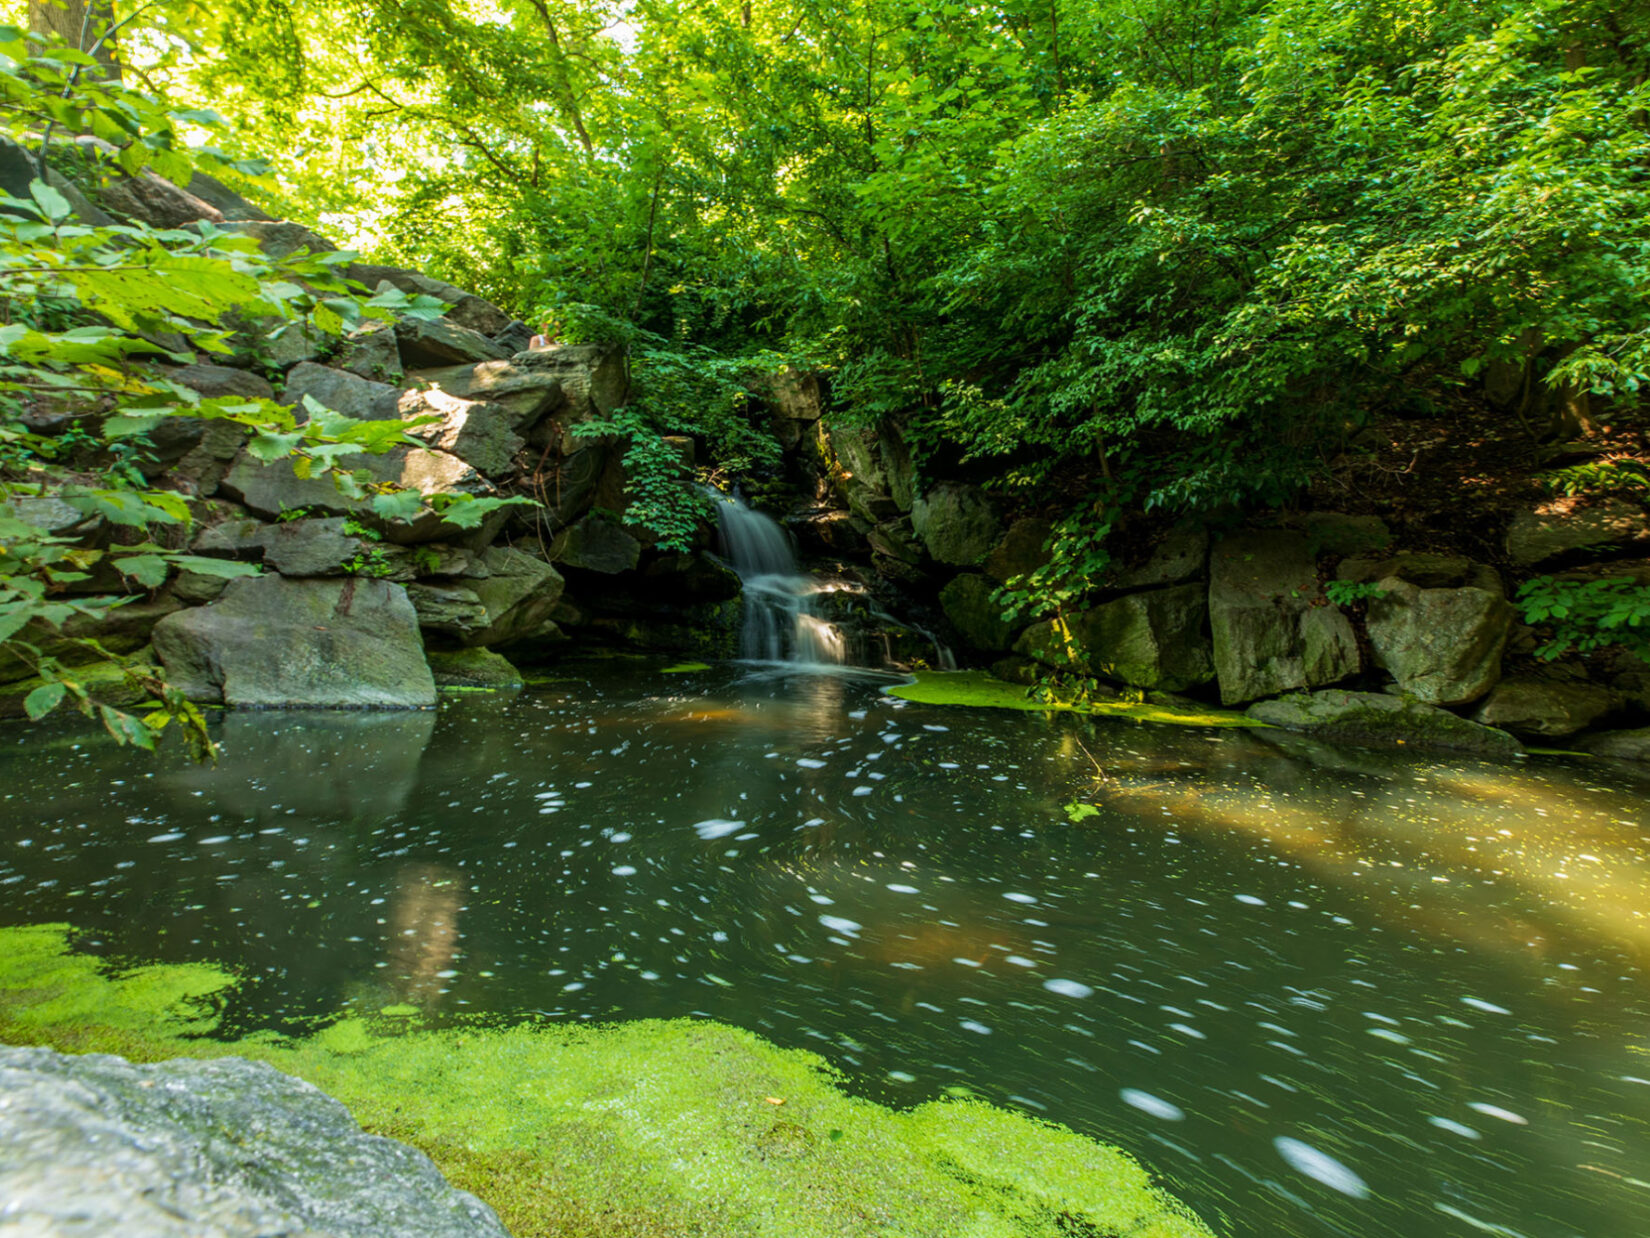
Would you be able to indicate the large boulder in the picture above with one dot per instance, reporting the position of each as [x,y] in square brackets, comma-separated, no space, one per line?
[230,1148]
[1426,569]
[967,602]
[463,308]
[529,393]
[1146,640]
[438,341]
[1021,550]
[1182,555]
[512,602]
[957,523]
[350,395]
[596,545]
[1374,719]
[473,669]
[1563,526]
[1442,646]
[269,641]
[370,351]
[1544,707]
[1273,630]
[1332,533]
[478,432]
[796,399]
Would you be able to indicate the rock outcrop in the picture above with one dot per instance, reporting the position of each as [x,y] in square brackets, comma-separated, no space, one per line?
[1442,646]
[223,1148]
[1547,708]
[1377,720]
[1157,639]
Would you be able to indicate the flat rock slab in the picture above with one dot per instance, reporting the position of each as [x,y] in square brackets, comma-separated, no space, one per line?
[1373,719]
[1544,707]
[1620,745]
[268,642]
[95,1146]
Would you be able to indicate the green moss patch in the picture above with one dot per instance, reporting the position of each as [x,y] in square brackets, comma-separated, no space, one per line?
[683,668]
[985,691]
[679,1128]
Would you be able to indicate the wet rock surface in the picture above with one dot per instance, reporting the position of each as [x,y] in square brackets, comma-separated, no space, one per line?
[95,1146]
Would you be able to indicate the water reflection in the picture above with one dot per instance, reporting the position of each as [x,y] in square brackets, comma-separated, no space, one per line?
[1321,991]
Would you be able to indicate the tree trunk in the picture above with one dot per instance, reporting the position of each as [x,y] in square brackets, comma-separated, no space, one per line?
[84,25]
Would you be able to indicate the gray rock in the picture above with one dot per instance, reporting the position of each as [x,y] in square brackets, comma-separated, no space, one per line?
[1182,555]
[222,1148]
[1022,550]
[280,238]
[1559,527]
[593,378]
[957,523]
[214,381]
[1146,640]
[453,609]
[370,351]
[436,341]
[516,337]
[1375,719]
[1442,646]
[473,668]
[1543,707]
[1620,745]
[47,512]
[519,593]
[967,602]
[314,548]
[528,393]
[274,488]
[597,545]
[1331,533]
[197,451]
[478,432]
[1425,569]
[896,539]
[1273,631]
[464,308]
[154,200]
[350,395]
[269,641]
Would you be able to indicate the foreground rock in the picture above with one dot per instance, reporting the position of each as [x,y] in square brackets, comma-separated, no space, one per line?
[1146,640]
[1273,631]
[206,1149]
[272,642]
[1544,707]
[1374,719]
[1620,745]
[1443,646]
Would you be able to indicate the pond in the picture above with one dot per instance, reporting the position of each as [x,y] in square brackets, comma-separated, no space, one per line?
[1317,991]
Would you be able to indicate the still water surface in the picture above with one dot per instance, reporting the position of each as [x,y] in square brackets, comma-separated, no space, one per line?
[1317,991]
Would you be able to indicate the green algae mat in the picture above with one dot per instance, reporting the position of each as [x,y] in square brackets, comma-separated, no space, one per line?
[679,1128]
[983,690]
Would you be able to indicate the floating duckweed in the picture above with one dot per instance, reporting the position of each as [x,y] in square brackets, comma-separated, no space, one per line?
[982,690]
[645,1128]
[682,668]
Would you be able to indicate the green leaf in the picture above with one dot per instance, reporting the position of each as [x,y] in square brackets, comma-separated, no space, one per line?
[1077,812]
[53,205]
[398,505]
[149,571]
[43,700]
[222,569]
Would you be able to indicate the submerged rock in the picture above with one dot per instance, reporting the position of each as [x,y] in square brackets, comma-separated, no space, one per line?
[272,642]
[1377,720]
[225,1148]
[473,668]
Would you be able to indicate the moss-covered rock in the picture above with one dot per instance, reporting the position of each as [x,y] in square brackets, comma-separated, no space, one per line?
[1158,639]
[645,1128]
[967,602]
[473,668]
[1374,719]
[981,690]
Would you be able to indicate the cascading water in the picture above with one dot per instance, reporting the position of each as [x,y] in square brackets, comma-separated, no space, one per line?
[781,622]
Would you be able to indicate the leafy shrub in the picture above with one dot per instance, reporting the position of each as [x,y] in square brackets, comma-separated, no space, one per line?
[1585,615]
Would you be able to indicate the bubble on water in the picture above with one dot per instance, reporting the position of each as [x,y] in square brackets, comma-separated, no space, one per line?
[1251,899]
[902,1076]
[838,924]
[1303,1158]
[624,870]
[1019,960]
[1068,988]
[899,889]
[932,726]
[166,838]
[810,763]
[1454,1128]
[717,828]
[1020,898]
[618,838]
[863,790]
[1154,1105]
[214,840]
[1495,1111]
[973,1025]
[1487,1007]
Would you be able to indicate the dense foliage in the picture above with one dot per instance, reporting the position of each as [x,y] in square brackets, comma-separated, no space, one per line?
[1159,254]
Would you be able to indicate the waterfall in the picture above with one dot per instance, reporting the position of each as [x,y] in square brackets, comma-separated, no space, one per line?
[781,622]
